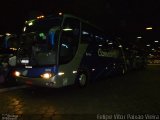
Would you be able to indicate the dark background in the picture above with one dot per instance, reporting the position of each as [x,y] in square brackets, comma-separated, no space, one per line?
[122,17]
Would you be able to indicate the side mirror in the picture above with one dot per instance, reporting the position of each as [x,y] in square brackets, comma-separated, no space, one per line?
[12,61]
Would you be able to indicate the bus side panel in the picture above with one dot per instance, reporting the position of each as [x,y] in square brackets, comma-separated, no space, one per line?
[95,64]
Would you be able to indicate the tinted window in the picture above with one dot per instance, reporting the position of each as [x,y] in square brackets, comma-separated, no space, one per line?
[87,33]
[42,25]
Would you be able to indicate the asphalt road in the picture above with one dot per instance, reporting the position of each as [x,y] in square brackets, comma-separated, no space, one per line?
[133,96]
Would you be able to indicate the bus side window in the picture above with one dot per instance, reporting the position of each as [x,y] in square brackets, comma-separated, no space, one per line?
[69,40]
[114,49]
[108,49]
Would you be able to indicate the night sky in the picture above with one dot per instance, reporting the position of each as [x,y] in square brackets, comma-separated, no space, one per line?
[131,16]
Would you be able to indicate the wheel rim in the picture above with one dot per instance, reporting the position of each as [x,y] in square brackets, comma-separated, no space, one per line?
[82,79]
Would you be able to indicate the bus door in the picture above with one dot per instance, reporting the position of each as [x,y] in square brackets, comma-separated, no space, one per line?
[69,56]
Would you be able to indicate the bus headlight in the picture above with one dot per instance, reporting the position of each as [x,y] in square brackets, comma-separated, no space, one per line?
[17,73]
[46,75]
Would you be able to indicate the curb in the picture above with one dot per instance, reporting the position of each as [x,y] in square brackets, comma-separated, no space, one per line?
[12,88]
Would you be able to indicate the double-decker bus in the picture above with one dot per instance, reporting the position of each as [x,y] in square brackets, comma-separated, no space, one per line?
[62,50]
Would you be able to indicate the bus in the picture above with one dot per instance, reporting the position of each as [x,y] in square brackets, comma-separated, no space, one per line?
[63,50]
[135,55]
[8,47]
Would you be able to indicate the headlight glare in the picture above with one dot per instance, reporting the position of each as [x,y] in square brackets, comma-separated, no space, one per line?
[46,75]
[17,73]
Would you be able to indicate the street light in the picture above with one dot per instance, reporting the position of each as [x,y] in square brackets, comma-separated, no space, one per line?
[149,28]
[8,34]
[139,37]
[60,13]
[148,45]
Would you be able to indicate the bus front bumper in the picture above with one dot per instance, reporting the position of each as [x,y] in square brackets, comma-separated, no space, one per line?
[52,83]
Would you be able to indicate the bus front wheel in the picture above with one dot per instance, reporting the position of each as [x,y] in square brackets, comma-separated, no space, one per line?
[82,79]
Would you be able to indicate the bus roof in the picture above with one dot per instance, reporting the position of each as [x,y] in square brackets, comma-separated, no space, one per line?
[63,16]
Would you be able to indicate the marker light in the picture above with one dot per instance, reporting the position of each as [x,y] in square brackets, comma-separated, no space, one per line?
[46,75]
[40,17]
[61,73]
[17,73]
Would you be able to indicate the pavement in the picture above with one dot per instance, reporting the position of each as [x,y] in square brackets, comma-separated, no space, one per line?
[136,93]
[12,85]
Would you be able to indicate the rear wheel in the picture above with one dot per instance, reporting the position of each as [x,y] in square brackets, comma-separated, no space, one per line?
[123,70]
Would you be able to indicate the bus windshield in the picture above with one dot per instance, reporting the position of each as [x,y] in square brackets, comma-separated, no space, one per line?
[40,25]
[38,44]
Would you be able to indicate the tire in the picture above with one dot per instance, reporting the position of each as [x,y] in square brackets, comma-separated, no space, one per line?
[124,71]
[82,80]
